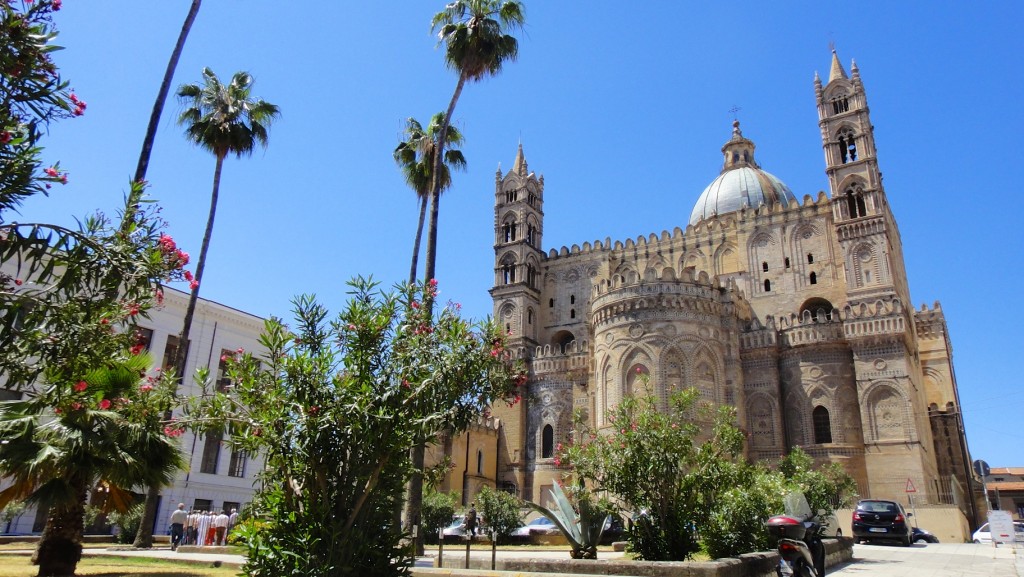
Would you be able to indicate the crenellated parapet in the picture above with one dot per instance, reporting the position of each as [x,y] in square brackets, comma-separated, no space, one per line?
[575,356]
[881,320]
[699,297]
[930,322]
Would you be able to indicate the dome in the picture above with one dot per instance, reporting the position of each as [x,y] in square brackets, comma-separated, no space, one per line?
[741,183]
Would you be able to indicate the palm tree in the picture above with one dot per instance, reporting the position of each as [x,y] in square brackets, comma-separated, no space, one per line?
[223,119]
[165,87]
[416,157]
[477,44]
[55,455]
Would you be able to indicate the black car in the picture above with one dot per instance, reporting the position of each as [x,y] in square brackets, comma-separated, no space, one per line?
[881,520]
[920,534]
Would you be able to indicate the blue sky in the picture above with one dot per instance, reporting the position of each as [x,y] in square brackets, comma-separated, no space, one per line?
[622,111]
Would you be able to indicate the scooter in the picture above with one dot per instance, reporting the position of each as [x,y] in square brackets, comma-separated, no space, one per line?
[801,551]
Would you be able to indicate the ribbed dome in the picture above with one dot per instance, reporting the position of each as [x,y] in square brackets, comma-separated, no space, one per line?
[741,183]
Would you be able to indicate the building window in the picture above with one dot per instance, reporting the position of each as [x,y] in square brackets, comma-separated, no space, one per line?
[202,505]
[572,299]
[847,147]
[479,462]
[767,286]
[211,452]
[231,507]
[223,380]
[510,196]
[509,231]
[547,442]
[170,350]
[531,276]
[840,104]
[787,262]
[572,313]
[551,303]
[236,467]
[822,425]
[814,278]
[810,258]
[764,266]
[529,317]
[508,274]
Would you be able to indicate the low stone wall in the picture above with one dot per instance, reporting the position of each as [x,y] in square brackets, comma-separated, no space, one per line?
[33,539]
[763,564]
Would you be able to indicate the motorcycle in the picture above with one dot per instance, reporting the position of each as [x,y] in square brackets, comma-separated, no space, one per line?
[799,532]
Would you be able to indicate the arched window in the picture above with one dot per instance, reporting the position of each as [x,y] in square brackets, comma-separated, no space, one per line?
[479,462]
[814,278]
[822,425]
[572,299]
[551,303]
[764,266]
[529,234]
[787,262]
[572,313]
[510,196]
[547,442]
[531,276]
[508,273]
[810,258]
[509,231]
[767,286]
[529,317]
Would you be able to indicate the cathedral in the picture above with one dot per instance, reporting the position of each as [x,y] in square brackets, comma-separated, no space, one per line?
[795,311]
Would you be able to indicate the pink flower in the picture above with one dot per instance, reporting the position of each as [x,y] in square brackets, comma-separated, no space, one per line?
[51,171]
[137,349]
[193,285]
[182,258]
[415,305]
[76,406]
[57,411]
[63,179]
[56,5]
[81,386]
[17,282]
[188,275]
[5,137]
[146,388]
[105,404]
[433,282]
[105,321]
[639,370]
[351,327]
[240,351]
[223,358]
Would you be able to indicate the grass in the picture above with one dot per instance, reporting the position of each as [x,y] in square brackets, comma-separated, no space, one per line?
[21,566]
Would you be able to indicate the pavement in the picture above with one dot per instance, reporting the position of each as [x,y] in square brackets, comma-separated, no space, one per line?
[919,560]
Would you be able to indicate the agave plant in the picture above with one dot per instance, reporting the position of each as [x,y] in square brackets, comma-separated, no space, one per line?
[582,525]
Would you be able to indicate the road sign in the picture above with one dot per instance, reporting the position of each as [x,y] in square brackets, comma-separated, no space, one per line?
[982,468]
[910,486]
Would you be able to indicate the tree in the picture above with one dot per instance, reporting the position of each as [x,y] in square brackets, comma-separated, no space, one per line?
[438,511]
[415,156]
[335,409]
[223,119]
[161,97]
[501,512]
[660,466]
[476,45]
[64,440]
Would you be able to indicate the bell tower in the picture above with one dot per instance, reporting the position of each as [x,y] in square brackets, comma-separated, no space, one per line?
[865,225]
[518,231]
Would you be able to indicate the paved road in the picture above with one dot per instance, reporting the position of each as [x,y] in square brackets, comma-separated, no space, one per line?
[934,560]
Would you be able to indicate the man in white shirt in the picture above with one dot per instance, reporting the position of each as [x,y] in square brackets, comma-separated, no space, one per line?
[178,519]
[220,523]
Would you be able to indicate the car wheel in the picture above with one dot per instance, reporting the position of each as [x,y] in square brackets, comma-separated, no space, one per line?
[908,541]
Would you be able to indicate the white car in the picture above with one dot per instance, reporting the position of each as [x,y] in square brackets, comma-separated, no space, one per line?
[984,535]
[539,526]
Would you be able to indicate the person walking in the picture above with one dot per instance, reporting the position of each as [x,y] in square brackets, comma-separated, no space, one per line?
[220,525]
[232,520]
[471,520]
[178,519]
[211,531]
[202,527]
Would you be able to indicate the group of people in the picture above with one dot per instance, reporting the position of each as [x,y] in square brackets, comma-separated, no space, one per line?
[201,528]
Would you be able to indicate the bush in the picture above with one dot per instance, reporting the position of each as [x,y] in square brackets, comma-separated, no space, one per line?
[736,524]
[129,522]
[437,513]
[501,512]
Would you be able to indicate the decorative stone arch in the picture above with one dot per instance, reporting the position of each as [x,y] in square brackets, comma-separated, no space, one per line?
[888,413]
[797,409]
[562,339]
[726,259]
[637,357]
[838,96]
[508,317]
[706,370]
[762,421]
[761,253]
[694,258]
[507,272]
[608,391]
[865,265]
[673,369]
[820,308]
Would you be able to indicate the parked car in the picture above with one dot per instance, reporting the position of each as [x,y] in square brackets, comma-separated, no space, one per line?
[458,527]
[613,531]
[539,526]
[984,535]
[874,519]
[919,534]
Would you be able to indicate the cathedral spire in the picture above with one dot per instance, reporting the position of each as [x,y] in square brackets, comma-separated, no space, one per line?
[739,151]
[520,164]
[837,71]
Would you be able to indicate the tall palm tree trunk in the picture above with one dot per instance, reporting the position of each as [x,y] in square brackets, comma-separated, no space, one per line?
[416,244]
[60,545]
[144,538]
[165,87]
[414,504]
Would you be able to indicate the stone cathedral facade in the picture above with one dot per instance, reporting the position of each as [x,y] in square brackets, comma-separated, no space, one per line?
[796,311]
